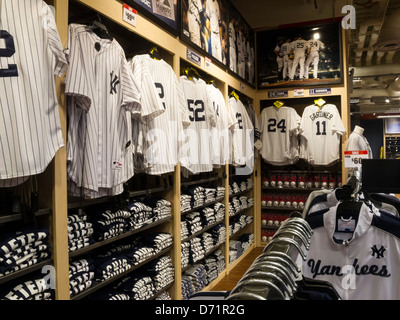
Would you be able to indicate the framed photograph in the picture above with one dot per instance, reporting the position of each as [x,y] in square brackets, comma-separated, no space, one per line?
[165,13]
[241,47]
[204,27]
[300,56]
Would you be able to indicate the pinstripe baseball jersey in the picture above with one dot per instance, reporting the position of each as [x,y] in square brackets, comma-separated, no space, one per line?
[361,263]
[221,139]
[30,55]
[278,132]
[202,119]
[242,136]
[162,136]
[322,127]
[102,85]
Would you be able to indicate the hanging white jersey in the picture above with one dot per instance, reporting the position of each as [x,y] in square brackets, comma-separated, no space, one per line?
[101,81]
[163,135]
[299,47]
[202,120]
[360,264]
[279,135]
[242,136]
[315,45]
[221,140]
[31,54]
[322,127]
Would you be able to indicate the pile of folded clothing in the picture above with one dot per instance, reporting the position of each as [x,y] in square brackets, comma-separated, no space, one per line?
[140,214]
[234,206]
[209,195]
[243,202]
[186,202]
[250,183]
[135,251]
[80,231]
[235,250]
[188,288]
[219,209]
[109,294]
[219,257]
[109,265]
[161,271]
[184,229]
[198,275]
[157,240]
[22,248]
[242,184]
[208,216]
[234,188]
[139,286]
[163,296]
[193,221]
[207,241]
[108,223]
[198,196]
[210,264]
[218,234]
[246,240]
[250,202]
[220,192]
[185,253]
[161,208]
[81,275]
[36,288]
[196,252]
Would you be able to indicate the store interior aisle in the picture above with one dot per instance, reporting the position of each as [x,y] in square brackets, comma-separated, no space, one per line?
[229,281]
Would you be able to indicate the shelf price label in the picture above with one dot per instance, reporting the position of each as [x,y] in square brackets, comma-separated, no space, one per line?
[353,159]
[129,15]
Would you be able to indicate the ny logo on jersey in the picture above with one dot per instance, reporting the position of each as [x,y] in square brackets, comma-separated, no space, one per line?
[378,252]
[113,83]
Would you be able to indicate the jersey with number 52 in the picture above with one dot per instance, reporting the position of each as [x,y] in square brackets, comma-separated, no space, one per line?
[322,127]
[278,125]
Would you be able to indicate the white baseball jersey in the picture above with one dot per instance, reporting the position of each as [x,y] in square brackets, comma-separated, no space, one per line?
[232,48]
[299,47]
[194,21]
[163,136]
[221,139]
[31,54]
[242,136]
[361,263]
[313,57]
[101,82]
[315,45]
[278,126]
[202,120]
[213,14]
[322,128]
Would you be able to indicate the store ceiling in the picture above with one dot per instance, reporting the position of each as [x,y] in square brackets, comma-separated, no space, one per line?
[376,85]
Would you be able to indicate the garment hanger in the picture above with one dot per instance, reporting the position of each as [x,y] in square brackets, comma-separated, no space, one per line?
[213,83]
[278,103]
[100,29]
[155,54]
[234,94]
[191,73]
[320,102]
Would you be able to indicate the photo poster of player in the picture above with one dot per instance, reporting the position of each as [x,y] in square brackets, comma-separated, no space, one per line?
[241,47]
[300,56]
[165,13]
[204,26]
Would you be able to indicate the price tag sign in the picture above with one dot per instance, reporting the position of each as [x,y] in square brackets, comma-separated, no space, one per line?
[353,159]
[129,15]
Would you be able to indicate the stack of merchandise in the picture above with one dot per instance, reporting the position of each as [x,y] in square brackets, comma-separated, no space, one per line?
[140,215]
[186,202]
[185,254]
[207,241]
[250,183]
[246,240]
[184,229]
[80,231]
[220,192]
[209,195]
[194,223]
[161,271]
[196,252]
[197,193]
[234,188]
[135,251]
[34,289]
[164,296]
[218,255]
[208,216]
[161,208]
[249,219]
[109,223]
[110,294]
[242,184]
[110,265]
[219,209]
[198,275]
[158,241]
[22,248]
[188,288]
[218,234]
[250,202]
[243,202]
[81,274]
[235,250]
[234,206]
[138,286]
[210,263]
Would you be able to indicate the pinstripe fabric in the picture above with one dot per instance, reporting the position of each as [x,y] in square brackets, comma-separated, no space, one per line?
[103,97]
[30,131]
[161,137]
